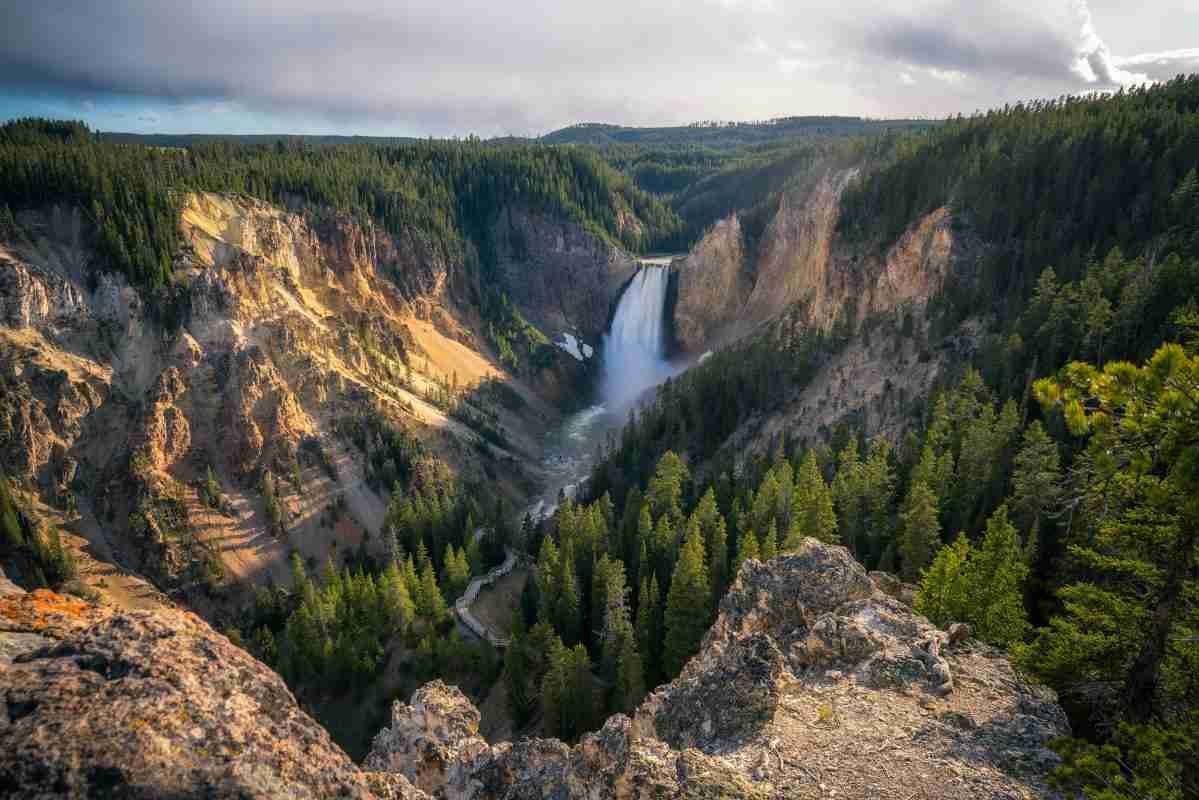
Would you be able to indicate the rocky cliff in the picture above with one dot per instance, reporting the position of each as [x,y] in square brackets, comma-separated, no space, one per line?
[153,704]
[811,683]
[564,278]
[801,269]
[726,290]
[278,331]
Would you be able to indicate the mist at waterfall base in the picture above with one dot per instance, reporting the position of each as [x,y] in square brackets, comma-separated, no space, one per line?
[634,361]
[634,347]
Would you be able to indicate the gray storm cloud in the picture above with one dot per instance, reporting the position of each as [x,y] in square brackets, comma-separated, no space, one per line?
[527,65]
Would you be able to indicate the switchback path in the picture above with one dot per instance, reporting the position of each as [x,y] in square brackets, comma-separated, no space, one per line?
[462,604]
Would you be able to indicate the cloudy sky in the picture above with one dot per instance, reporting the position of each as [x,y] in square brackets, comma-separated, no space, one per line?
[493,67]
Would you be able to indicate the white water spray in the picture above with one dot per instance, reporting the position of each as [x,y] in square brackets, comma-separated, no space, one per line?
[634,362]
[634,348]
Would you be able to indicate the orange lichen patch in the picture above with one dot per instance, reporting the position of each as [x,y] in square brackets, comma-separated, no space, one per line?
[46,612]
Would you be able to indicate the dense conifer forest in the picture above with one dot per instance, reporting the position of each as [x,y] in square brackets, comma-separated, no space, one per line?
[1046,495]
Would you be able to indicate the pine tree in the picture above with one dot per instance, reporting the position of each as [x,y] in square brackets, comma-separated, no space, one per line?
[548,562]
[629,689]
[919,531]
[665,544]
[568,701]
[1036,480]
[553,688]
[712,526]
[933,470]
[982,586]
[620,661]
[747,548]
[1129,617]
[430,602]
[607,582]
[995,576]
[301,585]
[580,711]
[517,674]
[397,605]
[688,606]
[846,492]
[631,542]
[665,490]
[212,489]
[875,494]
[568,614]
[274,509]
[944,592]
[647,629]
[812,507]
[645,539]
[391,540]
[455,573]
[770,541]
[411,577]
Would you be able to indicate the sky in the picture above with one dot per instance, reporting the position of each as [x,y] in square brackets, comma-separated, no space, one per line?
[526,67]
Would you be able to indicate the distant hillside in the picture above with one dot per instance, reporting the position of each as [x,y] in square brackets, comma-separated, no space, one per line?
[729,135]
[192,139]
[716,135]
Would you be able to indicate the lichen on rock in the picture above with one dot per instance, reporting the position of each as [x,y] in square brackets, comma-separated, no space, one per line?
[156,704]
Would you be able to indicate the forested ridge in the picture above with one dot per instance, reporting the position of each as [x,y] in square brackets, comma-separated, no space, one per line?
[716,135]
[1054,182]
[446,193]
[1045,494]
[704,184]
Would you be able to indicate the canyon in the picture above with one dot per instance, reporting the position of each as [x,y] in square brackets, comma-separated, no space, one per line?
[293,329]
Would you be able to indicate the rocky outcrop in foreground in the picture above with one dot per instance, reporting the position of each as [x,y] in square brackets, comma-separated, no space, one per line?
[812,683]
[153,704]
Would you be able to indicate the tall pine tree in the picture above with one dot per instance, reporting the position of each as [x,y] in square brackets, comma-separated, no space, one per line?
[688,606]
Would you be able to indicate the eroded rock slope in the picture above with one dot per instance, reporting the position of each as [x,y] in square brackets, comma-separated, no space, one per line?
[280,335]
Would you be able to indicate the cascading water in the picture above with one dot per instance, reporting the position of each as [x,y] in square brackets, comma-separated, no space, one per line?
[634,347]
[633,362]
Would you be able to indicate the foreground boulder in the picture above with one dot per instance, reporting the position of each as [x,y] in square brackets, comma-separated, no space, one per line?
[154,704]
[812,683]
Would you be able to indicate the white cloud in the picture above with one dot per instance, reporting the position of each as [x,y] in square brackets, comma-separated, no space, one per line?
[1162,66]
[1094,63]
[788,66]
[525,66]
[947,75]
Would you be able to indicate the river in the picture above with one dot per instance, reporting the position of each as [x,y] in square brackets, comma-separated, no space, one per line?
[634,361]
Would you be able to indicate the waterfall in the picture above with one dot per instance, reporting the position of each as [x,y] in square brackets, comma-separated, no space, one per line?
[633,352]
[634,347]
